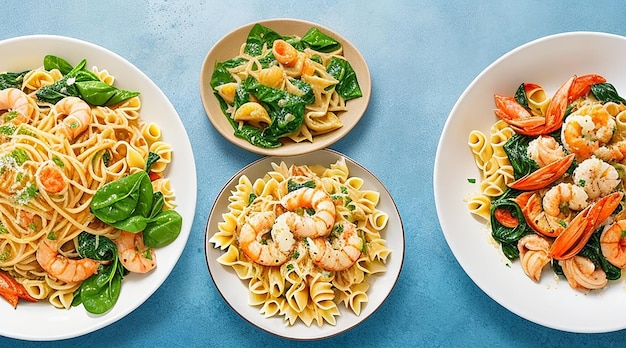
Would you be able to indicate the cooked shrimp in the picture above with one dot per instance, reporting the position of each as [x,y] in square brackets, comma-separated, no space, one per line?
[533,253]
[545,150]
[133,254]
[582,274]
[613,243]
[52,179]
[15,100]
[25,218]
[61,267]
[531,204]
[285,53]
[338,252]
[272,251]
[596,177]
[615,151]
[303,224]
[78,116]
[564,195]
[587,130]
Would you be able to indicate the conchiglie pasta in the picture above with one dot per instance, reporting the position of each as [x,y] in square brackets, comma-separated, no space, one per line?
[164,150]
[151,132]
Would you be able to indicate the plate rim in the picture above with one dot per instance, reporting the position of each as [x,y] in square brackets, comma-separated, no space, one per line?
[209,247]
[292,149]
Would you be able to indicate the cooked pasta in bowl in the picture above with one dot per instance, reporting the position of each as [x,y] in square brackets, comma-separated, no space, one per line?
[284,87]
[94,215]
[532,208]
[304,247]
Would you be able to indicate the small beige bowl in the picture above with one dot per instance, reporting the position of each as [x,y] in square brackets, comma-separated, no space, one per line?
[228,47]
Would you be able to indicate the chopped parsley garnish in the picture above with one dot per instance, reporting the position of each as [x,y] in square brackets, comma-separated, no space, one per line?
[58,161]
[7,129]
[20,156]
[10,116]
[23,196]
[251,198]
[471,180]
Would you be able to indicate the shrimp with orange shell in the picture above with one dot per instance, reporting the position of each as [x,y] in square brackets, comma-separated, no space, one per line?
[575,186]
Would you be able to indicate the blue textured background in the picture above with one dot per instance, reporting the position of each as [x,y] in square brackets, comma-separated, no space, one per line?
[421,55]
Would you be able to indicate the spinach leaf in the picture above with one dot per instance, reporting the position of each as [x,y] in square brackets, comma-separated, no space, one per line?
[53,62]
[100,292]
[162,229]
[508,236]
[152,158]
[123,198]
[348,86]
[285,110]
[308,96]
[255,136]
[606,92]
[12,79]
[157,204]
[593,252]
[258,36]
[221,75]
[319,41]
[516,148]
[96,247]
[521,97]
[80,82]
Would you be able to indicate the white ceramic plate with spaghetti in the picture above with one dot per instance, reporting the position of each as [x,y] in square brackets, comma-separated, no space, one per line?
[41,321]
[549,62]
[228,47]
[235,291]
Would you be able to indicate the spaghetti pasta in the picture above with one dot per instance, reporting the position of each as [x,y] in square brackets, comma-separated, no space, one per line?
[110,143]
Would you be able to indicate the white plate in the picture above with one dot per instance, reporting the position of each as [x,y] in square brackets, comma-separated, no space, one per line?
[228,47]
[41,321]
[235,291]
[549,62]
